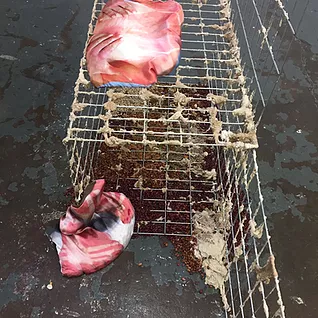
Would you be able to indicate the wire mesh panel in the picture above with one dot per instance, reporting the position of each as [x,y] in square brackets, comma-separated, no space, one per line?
[183,150]
[265,34]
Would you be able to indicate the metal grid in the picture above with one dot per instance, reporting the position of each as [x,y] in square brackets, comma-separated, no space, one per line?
[174,157]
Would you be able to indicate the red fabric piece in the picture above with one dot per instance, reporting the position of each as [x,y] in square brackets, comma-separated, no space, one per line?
[135,41]
[93,235]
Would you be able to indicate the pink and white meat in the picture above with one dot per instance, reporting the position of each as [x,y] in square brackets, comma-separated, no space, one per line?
[135,42]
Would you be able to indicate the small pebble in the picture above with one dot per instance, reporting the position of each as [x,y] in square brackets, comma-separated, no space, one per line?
[140,264]
[49,286]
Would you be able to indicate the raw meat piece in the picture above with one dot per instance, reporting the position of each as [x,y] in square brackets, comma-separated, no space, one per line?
[91,236]
[134,42]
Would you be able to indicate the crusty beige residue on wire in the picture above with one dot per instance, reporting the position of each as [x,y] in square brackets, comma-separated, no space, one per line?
[210,229]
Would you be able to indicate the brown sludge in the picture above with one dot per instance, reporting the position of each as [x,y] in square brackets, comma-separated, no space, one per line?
[184,250]
[140,172]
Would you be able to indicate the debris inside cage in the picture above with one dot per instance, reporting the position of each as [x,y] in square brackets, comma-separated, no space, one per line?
[185,106]
[216,99]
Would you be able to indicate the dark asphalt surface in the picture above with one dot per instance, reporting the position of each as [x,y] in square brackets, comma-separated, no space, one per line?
[41,44]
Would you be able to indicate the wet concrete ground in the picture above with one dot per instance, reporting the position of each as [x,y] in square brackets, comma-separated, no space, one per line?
[40,47]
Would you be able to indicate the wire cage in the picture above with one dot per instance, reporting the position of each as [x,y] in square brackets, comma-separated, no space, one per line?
[187,145]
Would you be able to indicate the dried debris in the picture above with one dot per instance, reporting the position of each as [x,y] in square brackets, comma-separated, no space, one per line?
[110,105]
[179,84]
[216,99]
[184,250]
[246,138]
[211,228]
[78,107]
[226,11]
[246,111]
[256,231]
[266,273]
[224,27]
[181,99]
[216,125]
[146,95]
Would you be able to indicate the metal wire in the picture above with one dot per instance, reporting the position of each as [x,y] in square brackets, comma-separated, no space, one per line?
[160,159]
